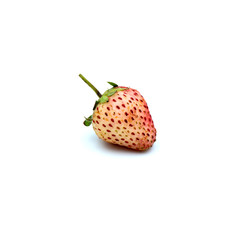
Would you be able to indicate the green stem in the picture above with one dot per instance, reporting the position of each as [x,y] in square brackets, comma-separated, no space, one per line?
[90,85]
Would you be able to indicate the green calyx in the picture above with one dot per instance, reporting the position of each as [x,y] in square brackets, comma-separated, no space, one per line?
[113,84]
[103,98]
[88,121]
[108,93]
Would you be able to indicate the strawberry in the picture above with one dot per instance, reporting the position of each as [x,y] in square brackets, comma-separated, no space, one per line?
[121,116]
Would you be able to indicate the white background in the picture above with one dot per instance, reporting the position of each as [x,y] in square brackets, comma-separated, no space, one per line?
[59,181]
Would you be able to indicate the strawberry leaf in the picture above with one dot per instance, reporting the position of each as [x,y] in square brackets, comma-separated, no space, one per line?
[110,92]
[95,105]
[103,99]
[113,84]
[121,89]
[88,121]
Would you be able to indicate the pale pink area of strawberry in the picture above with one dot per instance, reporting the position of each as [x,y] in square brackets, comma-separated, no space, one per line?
[125,120]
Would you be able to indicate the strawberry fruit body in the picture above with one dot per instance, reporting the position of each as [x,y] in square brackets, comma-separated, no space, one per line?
[121,116]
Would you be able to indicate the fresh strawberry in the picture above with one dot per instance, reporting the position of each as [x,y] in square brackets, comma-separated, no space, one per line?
[121,116]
